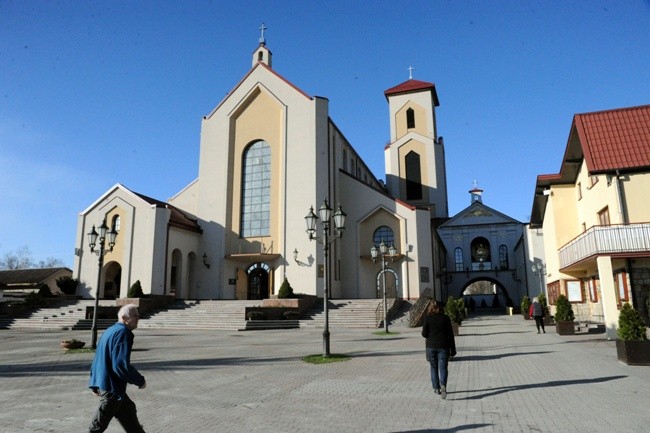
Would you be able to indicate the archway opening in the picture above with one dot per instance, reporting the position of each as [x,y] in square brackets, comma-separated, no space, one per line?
[258,281]
[112,280]
[484,295]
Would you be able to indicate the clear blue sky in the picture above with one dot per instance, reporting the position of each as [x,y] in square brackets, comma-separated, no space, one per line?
[99,92]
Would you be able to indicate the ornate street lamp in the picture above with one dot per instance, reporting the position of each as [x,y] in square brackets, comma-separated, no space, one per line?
[385,251]
[328,236]
[539,270]
[101,252]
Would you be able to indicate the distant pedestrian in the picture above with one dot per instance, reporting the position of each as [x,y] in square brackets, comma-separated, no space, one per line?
[111,371]
[440,346]
[538,313]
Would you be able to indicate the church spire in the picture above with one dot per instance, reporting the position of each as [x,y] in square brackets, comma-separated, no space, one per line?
[262,54]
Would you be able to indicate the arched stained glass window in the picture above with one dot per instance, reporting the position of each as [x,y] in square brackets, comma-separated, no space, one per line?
[384,233]
[256,191]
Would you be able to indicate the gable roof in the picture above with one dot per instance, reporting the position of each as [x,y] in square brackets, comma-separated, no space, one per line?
[177,218]
[476,214]
[615,139]
[28,277]
[608,141]
[410,86]
[268,68]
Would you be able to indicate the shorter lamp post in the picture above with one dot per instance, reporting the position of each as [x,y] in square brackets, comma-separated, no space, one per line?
[539,270]
[384,250]
[328,236]
[101,252]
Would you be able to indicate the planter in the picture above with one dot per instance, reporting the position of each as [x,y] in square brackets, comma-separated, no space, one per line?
[72,344]
[633,352]
[455,327]
[565,328]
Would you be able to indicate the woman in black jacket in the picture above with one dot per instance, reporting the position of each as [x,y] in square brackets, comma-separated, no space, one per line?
[440,346]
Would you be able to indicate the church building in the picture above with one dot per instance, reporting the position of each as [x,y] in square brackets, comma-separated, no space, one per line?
[270,155]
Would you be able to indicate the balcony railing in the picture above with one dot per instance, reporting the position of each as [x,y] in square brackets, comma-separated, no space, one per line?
[630,238]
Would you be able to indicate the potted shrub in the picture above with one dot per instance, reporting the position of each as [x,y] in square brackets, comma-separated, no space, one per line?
[632,346]
[285,290]
[135,291]
[525,307]
[454,309]
[564,316]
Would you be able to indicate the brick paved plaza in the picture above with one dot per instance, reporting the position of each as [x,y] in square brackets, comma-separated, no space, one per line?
[506,378]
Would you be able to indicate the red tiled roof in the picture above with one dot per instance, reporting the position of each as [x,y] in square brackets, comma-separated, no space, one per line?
[615,139]
[413,86]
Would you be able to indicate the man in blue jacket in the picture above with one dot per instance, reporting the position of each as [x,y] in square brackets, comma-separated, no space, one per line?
[111,371]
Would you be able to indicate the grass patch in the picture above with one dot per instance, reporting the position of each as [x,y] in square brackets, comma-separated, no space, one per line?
[82,350]
[384,333]
[320,359]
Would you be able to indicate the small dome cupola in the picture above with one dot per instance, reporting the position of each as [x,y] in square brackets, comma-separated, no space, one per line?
[262,54]
[476,193]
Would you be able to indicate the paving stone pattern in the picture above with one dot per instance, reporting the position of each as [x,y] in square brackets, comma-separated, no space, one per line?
[505,378]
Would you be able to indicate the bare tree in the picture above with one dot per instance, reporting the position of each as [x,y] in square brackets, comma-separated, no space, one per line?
[21,259]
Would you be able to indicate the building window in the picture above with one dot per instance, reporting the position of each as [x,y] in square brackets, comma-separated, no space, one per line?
[593,180]
[579,190]
[410,118]
[621,287]
[574,291]
[458,259]
[383,233]
[553,290]
[116,223]
[413,177]
[593,289]
[256,190]
[603,217]
[345,160]
[503,257]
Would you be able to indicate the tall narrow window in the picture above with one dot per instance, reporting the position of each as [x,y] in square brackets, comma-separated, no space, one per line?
[603,217]
[458,259]
[116,223]
[503,257]
[256,191]
[413,177]
[410,118]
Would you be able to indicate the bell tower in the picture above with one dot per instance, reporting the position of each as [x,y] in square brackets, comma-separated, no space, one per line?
[261,53]
[415,156]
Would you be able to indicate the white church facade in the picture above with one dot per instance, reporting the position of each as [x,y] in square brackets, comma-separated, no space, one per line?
[268,153]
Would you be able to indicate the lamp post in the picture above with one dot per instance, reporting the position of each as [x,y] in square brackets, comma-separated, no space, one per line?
[540,270]
[328,236]
[101,252]
[384,250]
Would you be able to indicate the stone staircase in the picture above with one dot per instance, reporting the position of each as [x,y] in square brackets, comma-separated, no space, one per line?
[218,315]
[228,315]
[350,313]
[61,315]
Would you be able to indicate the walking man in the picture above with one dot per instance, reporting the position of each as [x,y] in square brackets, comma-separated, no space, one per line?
[111,371]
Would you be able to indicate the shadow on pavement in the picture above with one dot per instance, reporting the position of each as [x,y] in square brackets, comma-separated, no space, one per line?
[496,391]
[453,429]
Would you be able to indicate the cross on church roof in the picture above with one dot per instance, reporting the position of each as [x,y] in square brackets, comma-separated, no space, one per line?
[262,28]
[410,69]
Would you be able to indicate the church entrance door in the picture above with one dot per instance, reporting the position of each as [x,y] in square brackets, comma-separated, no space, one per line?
[258,281]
